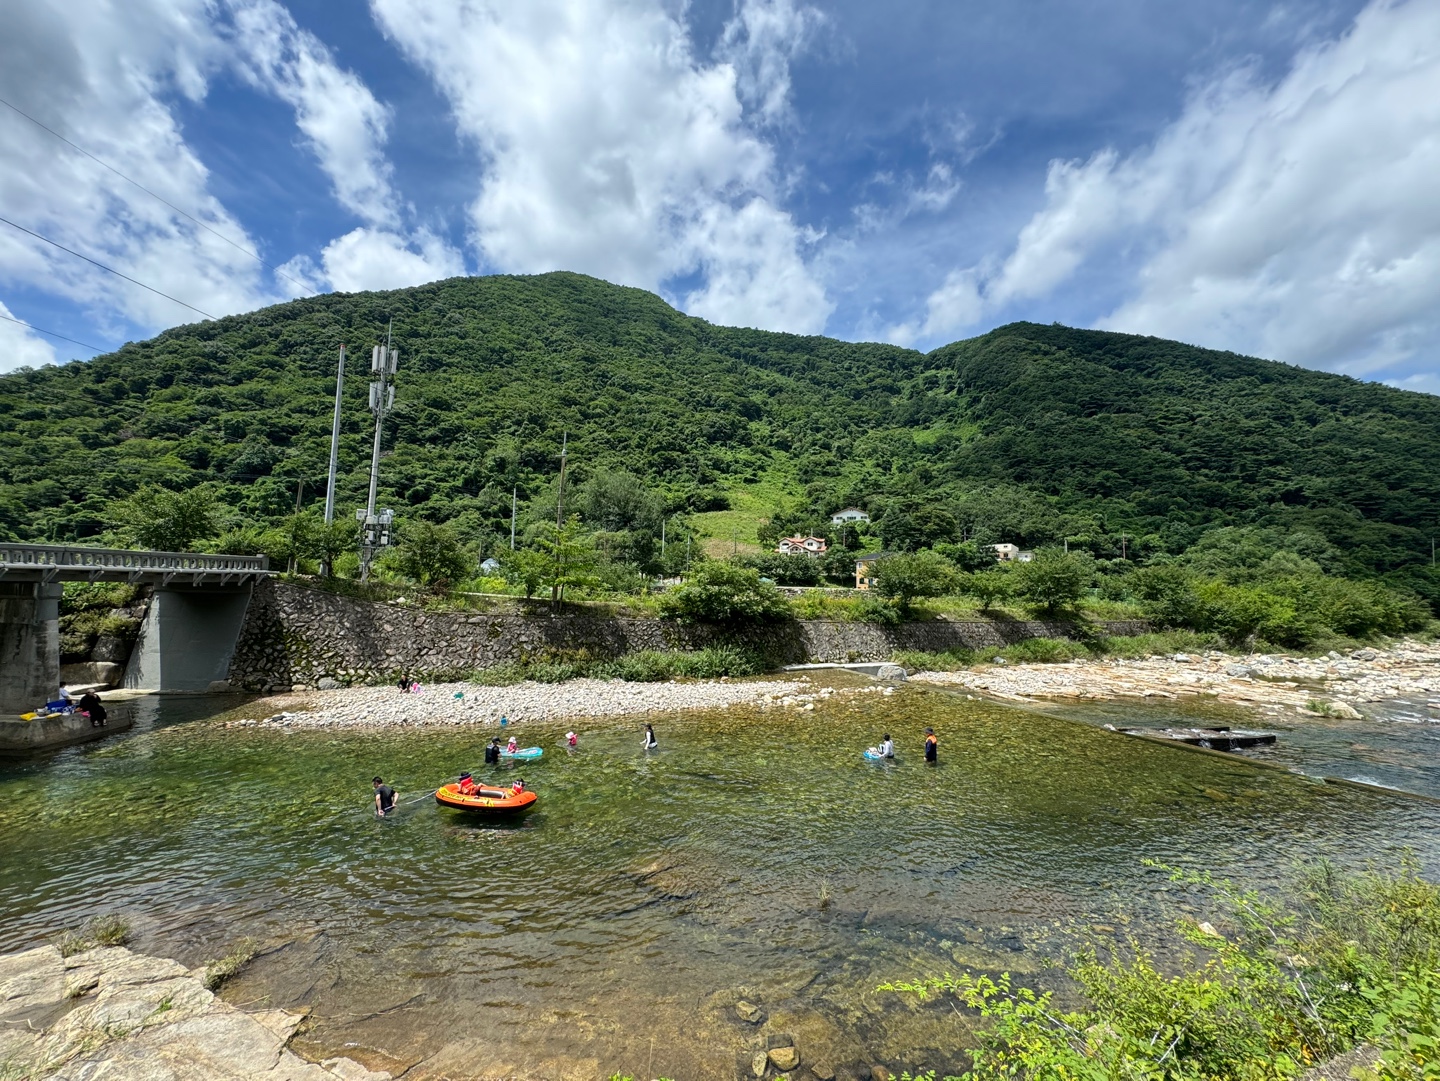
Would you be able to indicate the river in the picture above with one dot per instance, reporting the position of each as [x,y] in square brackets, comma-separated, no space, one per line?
[756,855]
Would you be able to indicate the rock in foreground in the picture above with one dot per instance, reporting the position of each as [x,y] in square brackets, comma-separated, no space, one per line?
[123,1016]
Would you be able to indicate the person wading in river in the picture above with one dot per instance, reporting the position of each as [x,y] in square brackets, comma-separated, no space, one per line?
[384,798]
[650,741]
[932,748]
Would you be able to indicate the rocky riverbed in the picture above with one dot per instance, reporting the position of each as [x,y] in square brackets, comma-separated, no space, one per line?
[112,1013]
[1334,685]
[469,703]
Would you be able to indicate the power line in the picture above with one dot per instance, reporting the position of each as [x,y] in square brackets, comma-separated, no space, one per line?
[102,266]
[238,247]
[42,330]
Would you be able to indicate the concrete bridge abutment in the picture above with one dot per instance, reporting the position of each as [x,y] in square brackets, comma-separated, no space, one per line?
[188,638]
[29,644]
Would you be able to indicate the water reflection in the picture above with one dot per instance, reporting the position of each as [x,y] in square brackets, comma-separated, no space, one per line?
[756,856]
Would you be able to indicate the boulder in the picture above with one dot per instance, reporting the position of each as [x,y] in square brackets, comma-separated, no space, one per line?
[92,674]
[1239,671]
[784,1058]
[890,671]
[325,683]
[110,650]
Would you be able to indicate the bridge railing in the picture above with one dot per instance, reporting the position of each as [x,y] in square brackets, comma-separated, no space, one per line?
[71,559]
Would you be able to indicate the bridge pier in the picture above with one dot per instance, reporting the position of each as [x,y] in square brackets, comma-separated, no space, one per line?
[190,632]
[29,645]
[188,638]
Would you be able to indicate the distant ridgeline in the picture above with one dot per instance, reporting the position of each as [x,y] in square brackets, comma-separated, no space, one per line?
[1030,434]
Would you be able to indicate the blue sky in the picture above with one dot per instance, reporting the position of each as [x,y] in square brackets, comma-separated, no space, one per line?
[1257,177]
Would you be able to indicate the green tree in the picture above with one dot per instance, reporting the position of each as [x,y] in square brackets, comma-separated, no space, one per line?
[293,539]
[166,521]
[431,554]
[1052,582]
[527,568]
[905,578]
[1167,595]
[988,587]
[569,557]
[725,593]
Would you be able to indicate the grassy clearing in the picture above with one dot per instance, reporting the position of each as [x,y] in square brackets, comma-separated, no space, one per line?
[750,505]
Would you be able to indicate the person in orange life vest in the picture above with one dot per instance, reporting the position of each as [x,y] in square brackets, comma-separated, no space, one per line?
[931,746]
[518,787]
[467,785]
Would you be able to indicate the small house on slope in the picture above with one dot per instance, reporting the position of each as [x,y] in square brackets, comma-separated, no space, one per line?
[802,546]
[849,516]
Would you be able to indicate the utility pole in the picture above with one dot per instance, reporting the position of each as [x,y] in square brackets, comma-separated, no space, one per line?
[662,540]
[559,520]
[334,442]
[560,499]
[512,517]
[1122,547]
[376,532]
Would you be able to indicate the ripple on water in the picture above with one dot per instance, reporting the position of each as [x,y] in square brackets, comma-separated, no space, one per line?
[614,927]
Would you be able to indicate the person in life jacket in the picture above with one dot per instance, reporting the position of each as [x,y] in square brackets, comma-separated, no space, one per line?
[467,785]
[518,787]
[931,746]
[492,752]
[512,746]
[571,739]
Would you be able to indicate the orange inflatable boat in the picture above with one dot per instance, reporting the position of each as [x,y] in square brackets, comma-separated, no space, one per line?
[491,802]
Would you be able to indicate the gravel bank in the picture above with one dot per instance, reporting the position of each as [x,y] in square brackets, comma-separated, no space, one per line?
[1408,670]
[467,703]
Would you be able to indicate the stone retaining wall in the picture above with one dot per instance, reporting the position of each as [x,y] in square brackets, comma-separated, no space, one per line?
[298,636]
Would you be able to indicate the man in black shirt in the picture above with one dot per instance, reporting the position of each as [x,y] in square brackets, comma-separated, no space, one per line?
[90,703]
[931,749]
[492,752]
[384,798]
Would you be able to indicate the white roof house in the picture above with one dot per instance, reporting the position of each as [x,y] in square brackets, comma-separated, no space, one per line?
[1011,553]
[849,514]
[802,546]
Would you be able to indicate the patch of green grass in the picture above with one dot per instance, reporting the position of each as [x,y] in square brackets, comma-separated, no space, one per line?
[223,968]
[96,931]
[1059,650]
[750,505]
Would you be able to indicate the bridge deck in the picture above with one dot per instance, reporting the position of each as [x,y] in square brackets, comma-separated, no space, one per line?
[76,563]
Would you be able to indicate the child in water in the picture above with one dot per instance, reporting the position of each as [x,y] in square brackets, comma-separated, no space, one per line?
[571,739]
[887,747]
[650,742]
[512,746]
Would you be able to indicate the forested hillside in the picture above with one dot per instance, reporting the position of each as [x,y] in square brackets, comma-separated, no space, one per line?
[1029,433]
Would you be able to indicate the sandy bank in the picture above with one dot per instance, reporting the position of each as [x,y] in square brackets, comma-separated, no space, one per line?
[1408,670]
[467,703]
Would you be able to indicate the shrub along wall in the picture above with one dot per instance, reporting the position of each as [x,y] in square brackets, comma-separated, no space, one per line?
[294,636]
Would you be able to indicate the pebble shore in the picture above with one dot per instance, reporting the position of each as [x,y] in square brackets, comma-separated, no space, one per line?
[468,703]
[1338,682]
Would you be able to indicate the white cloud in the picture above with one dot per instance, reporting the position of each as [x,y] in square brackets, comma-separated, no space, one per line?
[610,149]
[97,74]
[341,119]
[1297,220]
[20,347]
[759,42]
[377,259]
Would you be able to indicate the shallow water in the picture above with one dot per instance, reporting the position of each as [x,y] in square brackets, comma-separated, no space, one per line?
[755,854]
[1396,744]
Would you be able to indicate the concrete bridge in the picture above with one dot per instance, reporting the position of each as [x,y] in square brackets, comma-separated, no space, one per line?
[196,609]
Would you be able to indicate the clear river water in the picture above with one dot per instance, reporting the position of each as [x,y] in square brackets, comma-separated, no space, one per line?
[755,855]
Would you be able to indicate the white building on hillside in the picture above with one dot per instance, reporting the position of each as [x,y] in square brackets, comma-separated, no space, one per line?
[848,515]
[802,546]
[1011,553]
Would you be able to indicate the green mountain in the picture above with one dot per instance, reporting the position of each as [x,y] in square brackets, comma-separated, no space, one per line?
[1029,433]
